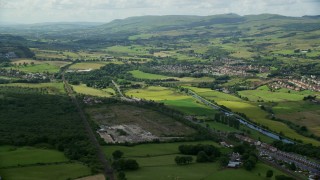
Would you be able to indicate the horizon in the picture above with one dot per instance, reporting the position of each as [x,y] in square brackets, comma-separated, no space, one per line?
[101,11]
[97,22]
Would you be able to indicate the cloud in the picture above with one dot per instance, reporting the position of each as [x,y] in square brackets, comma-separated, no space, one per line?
[29,11]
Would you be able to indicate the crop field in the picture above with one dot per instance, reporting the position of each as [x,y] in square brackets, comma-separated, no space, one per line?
[83,89]
[51,88]
[171,98]
[155,122]
[49,172]
[14,156]
[252,111]
[157,160]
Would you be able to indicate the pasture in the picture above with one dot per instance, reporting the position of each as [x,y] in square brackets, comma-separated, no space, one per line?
[51,88]
[142,75]
[157,160]
[252,111]
[172,98]
[48,172]
[17,156]
[87,65]
[83,89]
[36,66]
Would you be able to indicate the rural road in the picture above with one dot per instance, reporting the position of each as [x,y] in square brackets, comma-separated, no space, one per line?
[108,172]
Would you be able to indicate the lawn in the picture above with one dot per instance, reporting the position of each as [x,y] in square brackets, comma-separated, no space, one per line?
[172,98]
[48,172]
[14,156]
[83,89]
[52,88]
[252,111]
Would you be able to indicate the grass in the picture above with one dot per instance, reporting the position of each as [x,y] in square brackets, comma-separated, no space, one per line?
[252,111]
[157,160]
[83,89]
[263,93]
[155,122]
[38,66]
[289,106]
[142,75]
[87,65]
[147,150]
[14,156]
[171,98]
[52,88]
[49,172]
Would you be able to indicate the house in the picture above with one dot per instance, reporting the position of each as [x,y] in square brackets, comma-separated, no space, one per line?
[233,164]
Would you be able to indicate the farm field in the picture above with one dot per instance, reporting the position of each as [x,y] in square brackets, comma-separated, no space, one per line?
[83,89]
[17,156]
[51,88]
[289,106]
[36,66]
[142,75]
[49,172]
[158,160]
[150,120]
[151,149]
[171,98]
[252,111]
[87,65]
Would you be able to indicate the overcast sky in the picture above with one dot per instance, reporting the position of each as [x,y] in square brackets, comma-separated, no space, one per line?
[34,11]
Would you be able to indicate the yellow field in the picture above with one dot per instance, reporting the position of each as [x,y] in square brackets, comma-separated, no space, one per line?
[83,89]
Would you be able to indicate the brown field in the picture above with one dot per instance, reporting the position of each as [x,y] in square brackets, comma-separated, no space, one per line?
[94,177]
[158,124]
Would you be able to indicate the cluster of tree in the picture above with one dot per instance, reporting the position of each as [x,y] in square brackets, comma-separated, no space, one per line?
[204,153]
[229,120]
[303,149]
[16,44]
[29,118]
[101,78]
[121,164]
[309,98]
[183,160]
[249,156]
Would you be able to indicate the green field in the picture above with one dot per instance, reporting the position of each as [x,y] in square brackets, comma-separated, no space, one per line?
[157,160]
[171,98]
[252,111]
[87,65]
[142,75]
[146,150]
[26,65]
[48,172]
[83,89]
[14,156]
[289,105]
[51,88]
